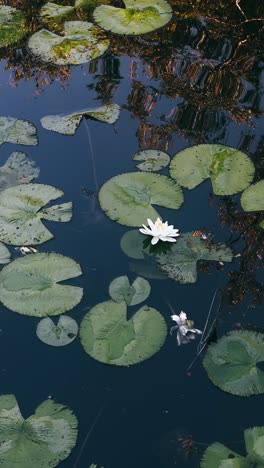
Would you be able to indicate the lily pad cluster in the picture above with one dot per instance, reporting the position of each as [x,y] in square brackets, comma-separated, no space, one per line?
[80,43]
[43,440]
[219,456]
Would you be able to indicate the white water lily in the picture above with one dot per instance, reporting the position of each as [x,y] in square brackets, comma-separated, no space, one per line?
[184,331]
[160,231]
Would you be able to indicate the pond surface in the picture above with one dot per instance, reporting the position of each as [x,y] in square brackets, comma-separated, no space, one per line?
[198,80]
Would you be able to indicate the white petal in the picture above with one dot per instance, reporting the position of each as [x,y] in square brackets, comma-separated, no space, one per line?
[195,330]
[183,330]
[176,318]
[179,339]
[183,317]
[145,231]
[150,223]
[155,240]
[158,221]
[167,239]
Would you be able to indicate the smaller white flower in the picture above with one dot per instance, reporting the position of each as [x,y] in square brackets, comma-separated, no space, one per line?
[184,331]
[160,231]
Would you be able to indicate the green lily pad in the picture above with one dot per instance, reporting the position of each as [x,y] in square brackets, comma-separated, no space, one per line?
[107,335]
[43,440]
[231,363]
[18,169]
[139,16]
[21,213]
[153,160]
[128,198]
[219,456]
[230,170]
[20,132]
[12,26]
[81,42]
[68,124]
[180,262]
[132,244]
[4,254]
[148,269]
[61,334]
[252,199]
[53,12]
[29,285]
[120,290]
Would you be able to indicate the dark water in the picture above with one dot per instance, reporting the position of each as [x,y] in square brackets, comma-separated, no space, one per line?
[194,84]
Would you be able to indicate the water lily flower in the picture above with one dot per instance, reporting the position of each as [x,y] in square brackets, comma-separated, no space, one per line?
[185,332]
[27,250]
[160,231]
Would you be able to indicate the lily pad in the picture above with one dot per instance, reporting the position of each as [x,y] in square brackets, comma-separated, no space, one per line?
[153,160]
[107,335]
[53,12]
[29,285]
[219,456]
[81,42]
[4,254]
[18,169]
[148,269]
[120,290]
[68,124]
[180,263]
[61,334]
[132,244]
[20,132]
[12,26]
[231,363]
[230,170]
[252,198]
[21,213]
[128,198]
[138,16]
[43,440]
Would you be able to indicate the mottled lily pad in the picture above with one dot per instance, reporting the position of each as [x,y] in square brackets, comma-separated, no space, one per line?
[18,169]
[128,198]
[12,26]
[21,211]
[152,160]
[20,132]
[81,42]
[29,285]
[138,16]
[61,334]
[120,290]
[68,124]
[232,363]
[180,262]
[55,13]
[107,335]
[230,170]
[43,440]
[219,456]
[4,254]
